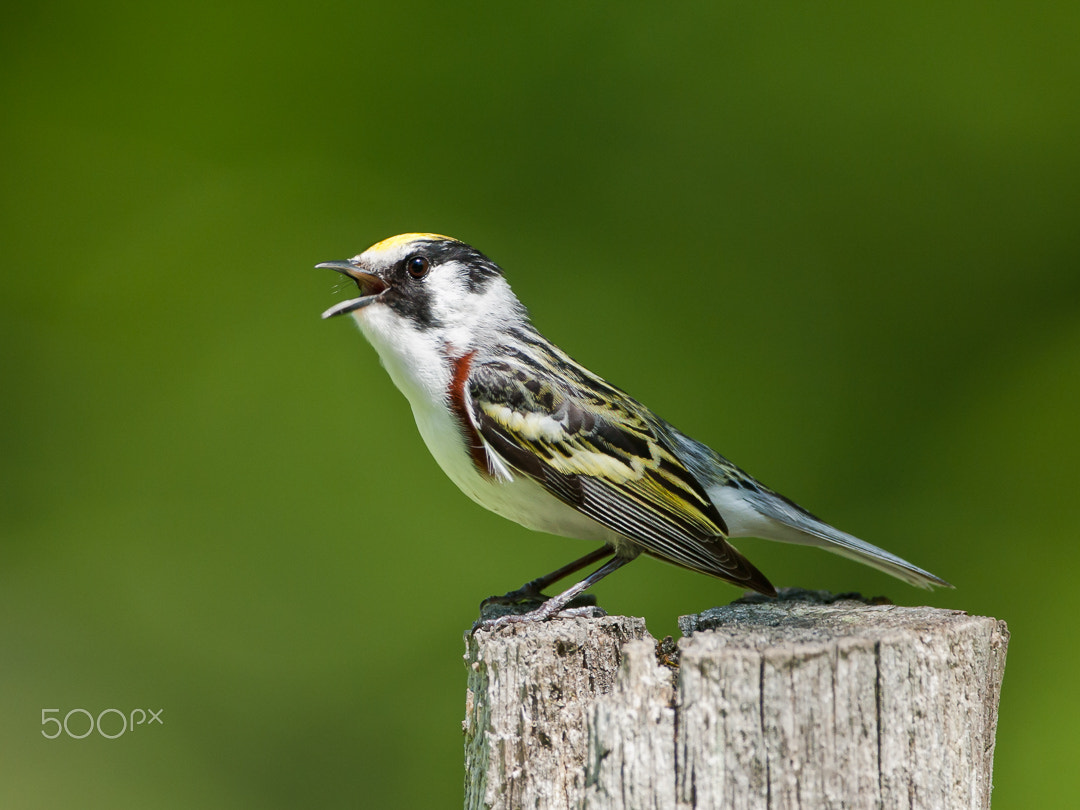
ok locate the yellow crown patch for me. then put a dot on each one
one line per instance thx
(404, 238)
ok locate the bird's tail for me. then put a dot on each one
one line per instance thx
(790, 523)
(751, 509)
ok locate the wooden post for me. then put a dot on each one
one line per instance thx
(530, 690)
(803, 702)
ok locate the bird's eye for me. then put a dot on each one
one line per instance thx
(417, 266)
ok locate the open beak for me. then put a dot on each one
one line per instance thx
(370, 285)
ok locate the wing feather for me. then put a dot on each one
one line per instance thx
(608, 458)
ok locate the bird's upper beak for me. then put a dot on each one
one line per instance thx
(371, 287)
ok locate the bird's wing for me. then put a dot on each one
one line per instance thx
(605, 456)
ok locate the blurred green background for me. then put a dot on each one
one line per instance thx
(840, 245)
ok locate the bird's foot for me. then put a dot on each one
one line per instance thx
(526, 596)
(494, 615)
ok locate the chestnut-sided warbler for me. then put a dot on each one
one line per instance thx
(534, 436)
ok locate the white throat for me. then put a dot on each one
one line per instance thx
(416, 360)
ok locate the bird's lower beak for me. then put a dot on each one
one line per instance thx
(370, 285)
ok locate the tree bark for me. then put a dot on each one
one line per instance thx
(802, 702)
(530, 689)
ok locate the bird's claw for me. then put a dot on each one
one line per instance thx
(540, 614)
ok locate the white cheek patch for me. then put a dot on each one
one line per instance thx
(447, 292)
(470, 318)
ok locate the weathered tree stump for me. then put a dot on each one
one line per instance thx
(531, 688)
(790, 703)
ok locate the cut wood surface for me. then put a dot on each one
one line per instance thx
(808, 701)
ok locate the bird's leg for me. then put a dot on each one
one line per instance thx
(533, 591)
(555, 603)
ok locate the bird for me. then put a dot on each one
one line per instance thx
(532, 435)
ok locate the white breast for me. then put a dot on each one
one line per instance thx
(519, 498)
(417, 365)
